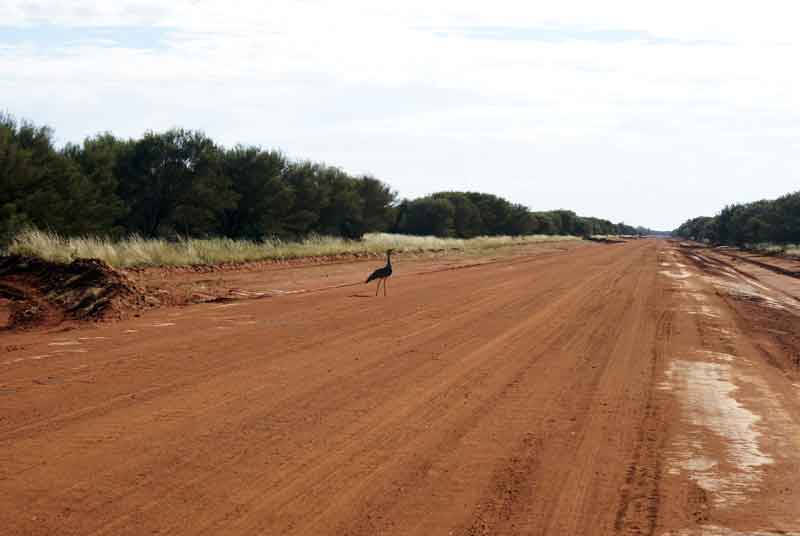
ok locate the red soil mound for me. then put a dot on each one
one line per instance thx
(47, 292)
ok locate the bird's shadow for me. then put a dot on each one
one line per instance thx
(360, 296)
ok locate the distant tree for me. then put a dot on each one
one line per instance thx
(776, 221)
(42, 187)
(467, 222)
(22, 174)
(179, 182)
(264, 200)
(543, 223)
(97, 160)
(567, 222)
(378, 204)
(173, 184)
(518, 221)
(310, 194)
(494, 211)
(343, 213)
(428, 216)
(784, 219)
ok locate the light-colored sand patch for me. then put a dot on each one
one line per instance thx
(131, 331)
(724, 331)
(283, 292)
(64, 343)
(759, 285)
(250, 293)
(699, 463)
(675, 275)
(718, 356)
(29, 358)
(704, 310)
(706, 391)
(751, 290)
(746, 291)
(76, 351)
(684, 458)
(163, 324)
(699, 297)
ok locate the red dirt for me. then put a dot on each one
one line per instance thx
(5, 312)
(592, 389)
(46, 293)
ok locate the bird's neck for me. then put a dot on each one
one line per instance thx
(389, 259)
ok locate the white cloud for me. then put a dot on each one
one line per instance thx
(710, 98)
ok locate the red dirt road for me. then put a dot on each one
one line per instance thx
(604, 389)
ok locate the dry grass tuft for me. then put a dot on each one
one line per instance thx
(138, 251)
(792, 250)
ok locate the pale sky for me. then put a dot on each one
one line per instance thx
(636, 111)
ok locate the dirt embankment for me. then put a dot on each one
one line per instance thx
(765, 300)
(39, 292)
(778, 263)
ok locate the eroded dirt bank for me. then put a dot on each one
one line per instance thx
(605, 389)
(36, 293)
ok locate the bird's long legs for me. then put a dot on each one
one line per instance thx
(378, 287)
(385, 282)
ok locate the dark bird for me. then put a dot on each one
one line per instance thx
(382, 274)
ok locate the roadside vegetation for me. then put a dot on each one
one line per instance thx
(180, 183)
(786, 250)
(771, 226)
(137, 251)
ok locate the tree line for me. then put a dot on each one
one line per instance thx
(774, 221)
(181, 183)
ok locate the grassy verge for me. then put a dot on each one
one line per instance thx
(137, 251)
(791, 250)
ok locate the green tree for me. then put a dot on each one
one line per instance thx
(42, 187)
(378, 201)
(264, 201)
(173, 184)
(467, 222)
(97, 159)
(428, 216)
(343, 213)
(310, 195)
